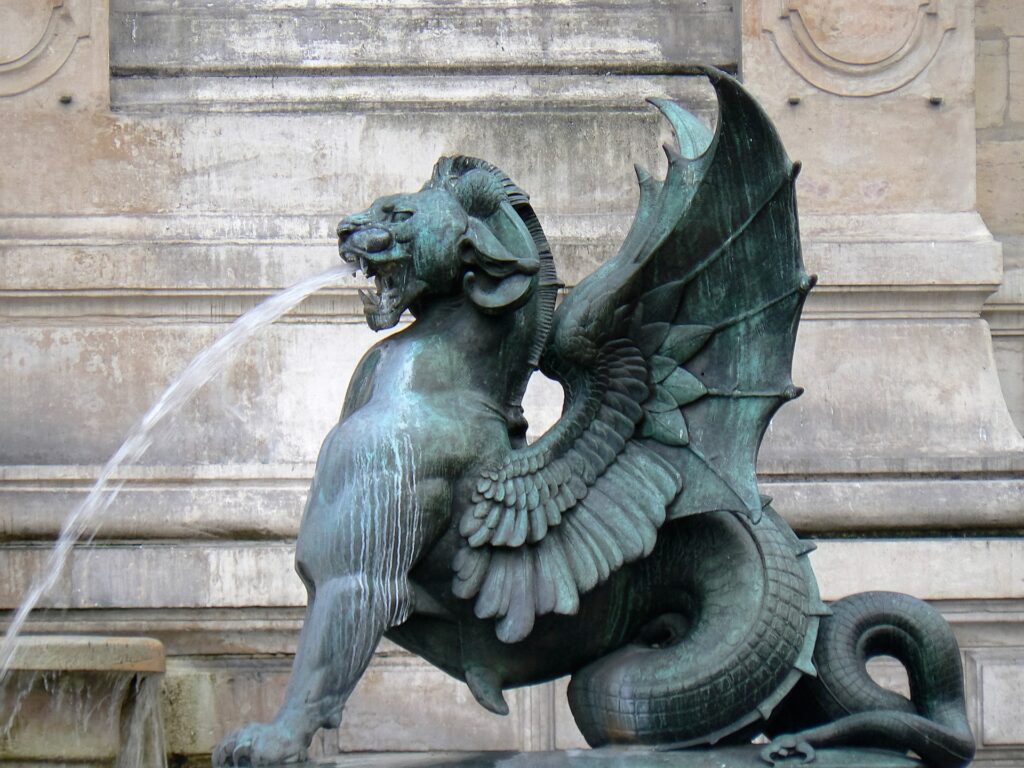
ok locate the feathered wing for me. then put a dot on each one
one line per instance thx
(674, 355)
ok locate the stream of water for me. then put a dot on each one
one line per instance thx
(87, 516)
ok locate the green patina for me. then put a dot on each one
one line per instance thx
(628, 546)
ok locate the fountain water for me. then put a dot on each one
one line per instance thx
(96, 702)
(88, 514)
(83, 699)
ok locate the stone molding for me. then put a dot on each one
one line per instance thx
(226, 652)
(68, 22)
(279, 37)
(949, 256)
(404, 93)
(846, 48)
(264, 502)
(242, 574)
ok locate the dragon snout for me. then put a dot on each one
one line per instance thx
(368, 239)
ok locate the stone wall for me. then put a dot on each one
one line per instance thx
(1000, 121)
(168, 164)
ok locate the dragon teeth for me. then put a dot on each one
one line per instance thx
(369, 300)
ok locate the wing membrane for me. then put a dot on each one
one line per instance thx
(674, 355)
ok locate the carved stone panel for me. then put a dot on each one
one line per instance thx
(858, 49)
(37, 38)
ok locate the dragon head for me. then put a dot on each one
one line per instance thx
(461, 233)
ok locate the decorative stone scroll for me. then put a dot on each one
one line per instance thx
(858, 49)
(37, 38)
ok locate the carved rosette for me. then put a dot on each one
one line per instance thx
(37, 38)
(861, 48)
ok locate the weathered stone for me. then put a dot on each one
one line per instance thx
(999, 17)
(860, 154)
(93, 699)
(1000, 179)
(1001, 685)
(933, 375)
(1016, 78)
(155, 35)
(992, 84)
(92, 653)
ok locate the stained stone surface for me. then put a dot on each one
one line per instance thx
(724, 757)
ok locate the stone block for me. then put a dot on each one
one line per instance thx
(439, 36)
(119, 370)
(1016, 78)
(55, 57)
(205, 698)
(998, 17)
(572, 160)
(82, 699)
(1009, 355)
(78, 653)
(907, 143)
(1001, 685)
(992, 84)
(1000, 181)
(890, 397)
(931, 569)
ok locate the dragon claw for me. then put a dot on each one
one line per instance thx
(786, 746)
(258, 744)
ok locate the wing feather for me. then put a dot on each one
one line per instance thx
(673, 355)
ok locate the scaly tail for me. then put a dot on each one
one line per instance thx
(855, 710)
(738, 631)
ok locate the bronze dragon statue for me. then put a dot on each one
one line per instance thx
(628, 546)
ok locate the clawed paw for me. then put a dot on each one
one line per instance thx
(786, 746)
(258, 744)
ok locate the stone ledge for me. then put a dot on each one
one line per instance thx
(262, 501)
(888, 266)
(250, 574)
(983, 626)
(87, 653)
(405, 93)
(722, 757)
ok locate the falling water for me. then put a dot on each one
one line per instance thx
(205, 366)
(99, 705)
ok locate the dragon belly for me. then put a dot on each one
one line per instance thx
(722, 611)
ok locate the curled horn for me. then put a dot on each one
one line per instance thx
(479, 193)
(476, 196)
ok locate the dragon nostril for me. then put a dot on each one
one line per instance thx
(372, 239)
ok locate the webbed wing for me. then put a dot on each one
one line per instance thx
(674, 355)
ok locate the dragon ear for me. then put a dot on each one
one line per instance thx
(501, 280)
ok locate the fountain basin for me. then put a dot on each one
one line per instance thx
(87, 699)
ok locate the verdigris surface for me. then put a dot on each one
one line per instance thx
(628, 546)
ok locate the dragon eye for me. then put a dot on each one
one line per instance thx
(401, 215)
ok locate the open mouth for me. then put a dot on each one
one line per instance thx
(383, 306)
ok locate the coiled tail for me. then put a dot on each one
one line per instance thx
(846, 707)
(736, 635)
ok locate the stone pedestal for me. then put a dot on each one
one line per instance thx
(723, 757)
(83, 699)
